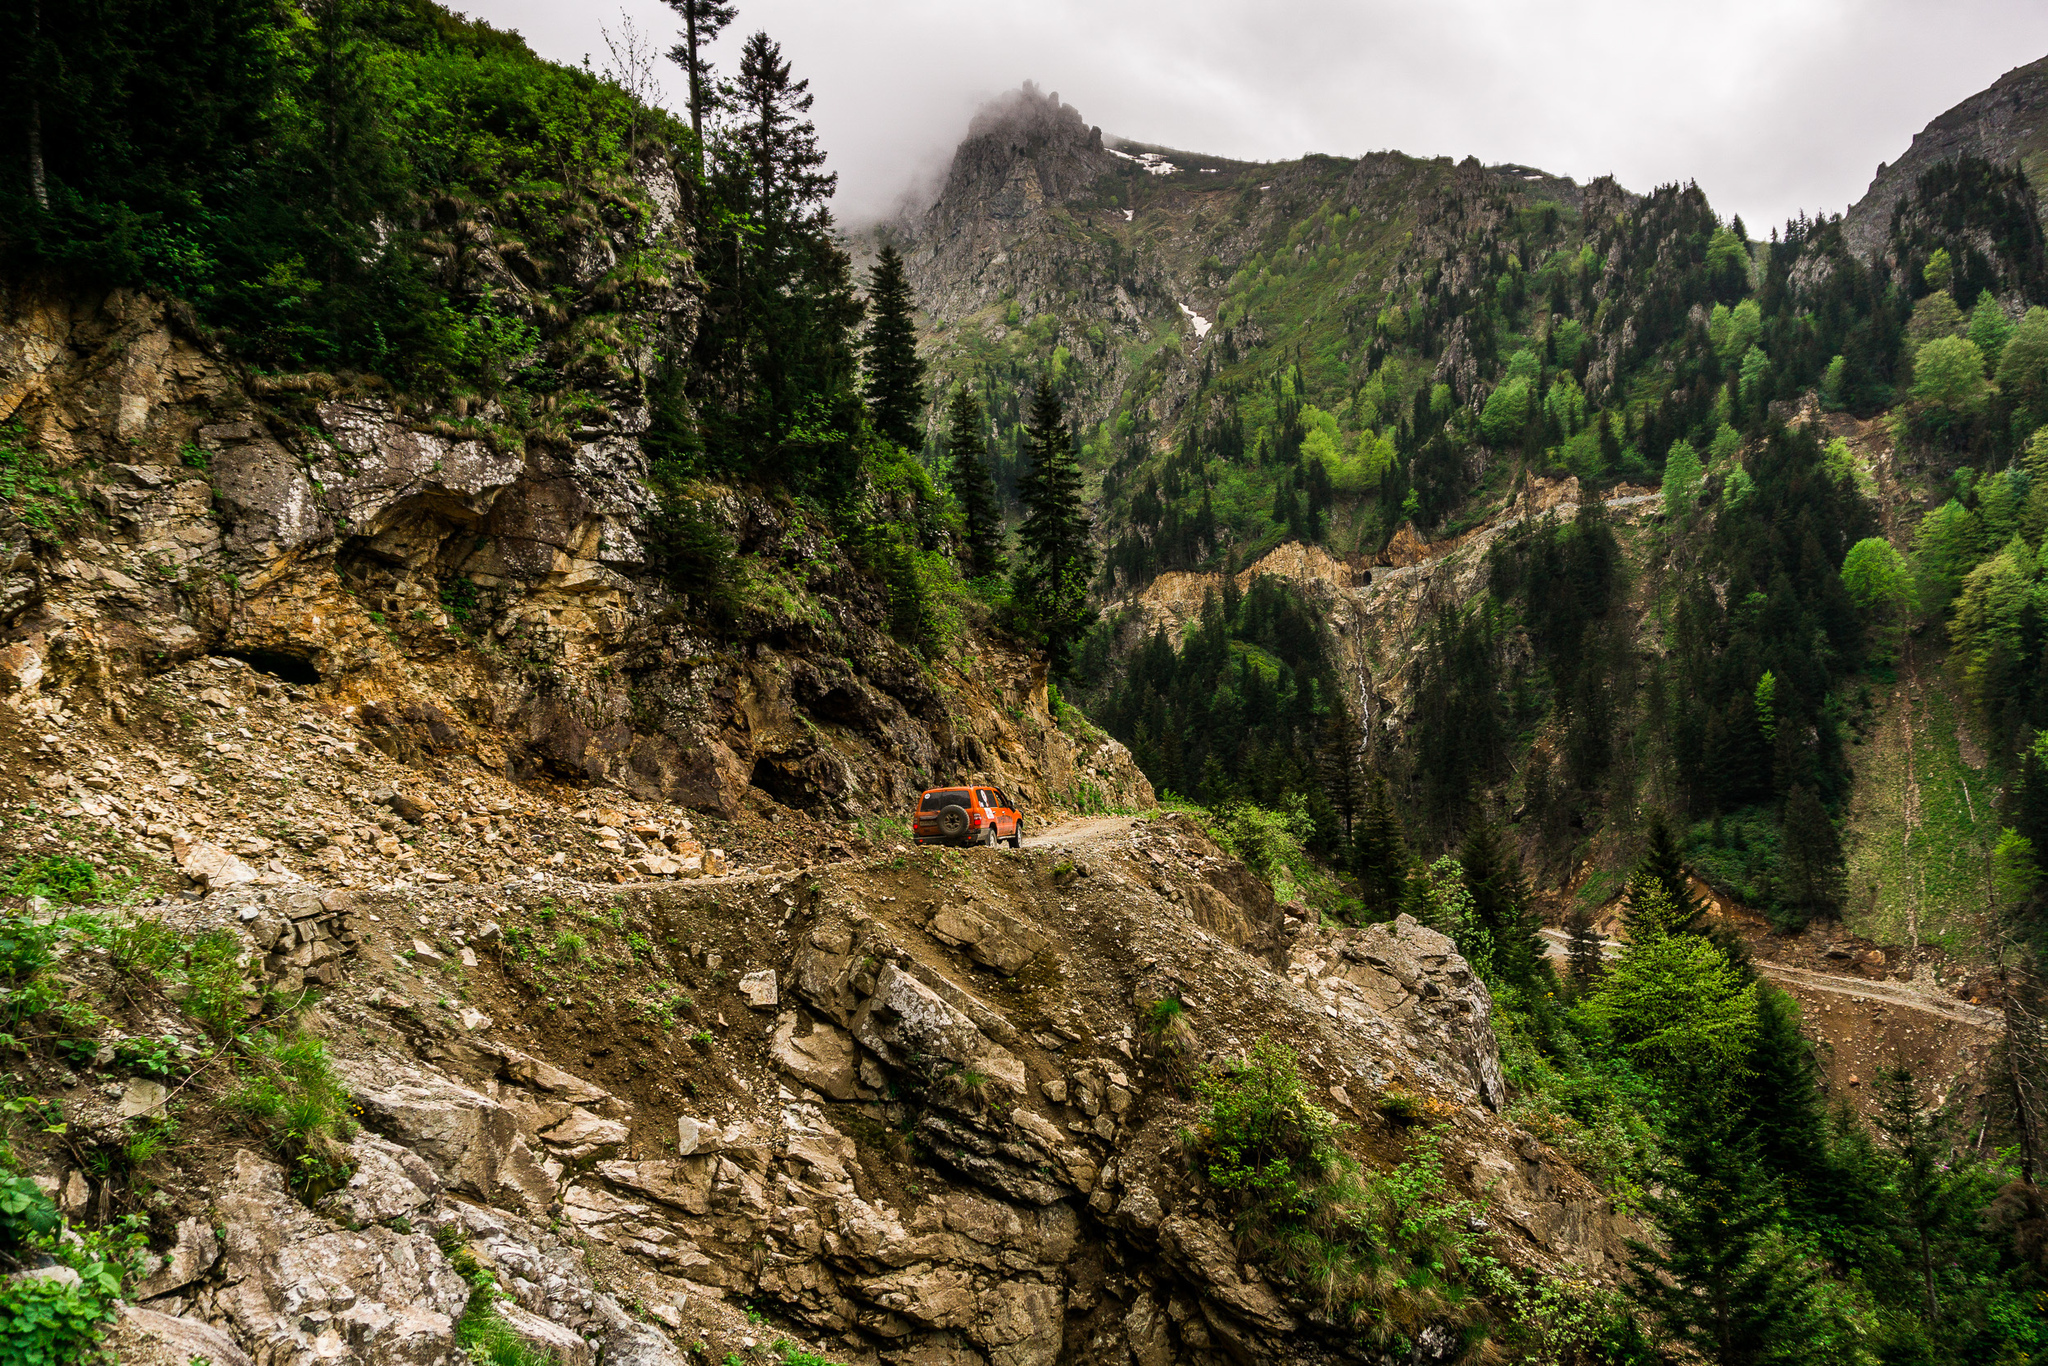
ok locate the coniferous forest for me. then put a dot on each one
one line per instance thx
(1655, 690)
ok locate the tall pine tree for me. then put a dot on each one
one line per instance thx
(1722, 1284)
(1058, 562)
(1781, 1099)
(1812, 879)
(774, 381)
(1660, 889)
(1340, 763)
(703, 21)
(1379, 854)
(967, 475)
(1585, 950)
(1500, 902)
(895, 378)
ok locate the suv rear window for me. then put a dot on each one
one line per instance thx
(937, 801)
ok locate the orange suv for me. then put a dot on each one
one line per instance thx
(967, 815)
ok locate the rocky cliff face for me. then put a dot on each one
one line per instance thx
(2004, 124)
(486, 595)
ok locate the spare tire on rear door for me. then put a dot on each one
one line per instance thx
(953, 821)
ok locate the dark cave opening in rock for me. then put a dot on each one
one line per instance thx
(784, 786)
(278, 664)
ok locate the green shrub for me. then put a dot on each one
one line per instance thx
(481, 1332)
(42, 502)
(46, 1322)
(216, 988)
(54, 877)
(1273, 843)
(25, 1212)
(1263, 1140)
(1384, 1254)
(142, 944)
(24, 947)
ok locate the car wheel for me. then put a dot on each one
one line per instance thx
(988, 836)
(952, 822)
(1017, 835)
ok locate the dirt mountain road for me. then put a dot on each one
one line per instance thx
(1857, 988)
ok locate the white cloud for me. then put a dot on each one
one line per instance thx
(1772, 105)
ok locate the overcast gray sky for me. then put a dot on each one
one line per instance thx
(1772, 105)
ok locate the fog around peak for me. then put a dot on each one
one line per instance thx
(1773, 106)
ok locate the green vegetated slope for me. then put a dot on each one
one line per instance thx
(1399, 343)
(1922, 824)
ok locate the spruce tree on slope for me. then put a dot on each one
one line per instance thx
(1500, 901)
(967, 475)
(703, 21)
(1379, 854)
(1811, 877)
(774, 377)
(1781, 1097)
(1722, 1285)
(1585, 951)
(1660, 869)
(1057, 562)
(1340, 764)
(895, 379)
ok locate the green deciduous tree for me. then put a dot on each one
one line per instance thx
(1756, 368)
(895, 374)
(1681, 480)
(1057, 562)
(1990, 329)
(1506, 414)
(1732, 331)
(1939, 271)
(1948, 381)
(1946, 546)
(2023, 366)
(968, 476)
(1875, 576)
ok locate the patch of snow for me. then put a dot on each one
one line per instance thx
(1265, 187)
(1127, 215)
(1532, 177)
(1208, 170)
(1153, 162)
(1202, 324)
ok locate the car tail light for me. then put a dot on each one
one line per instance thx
(976, 818)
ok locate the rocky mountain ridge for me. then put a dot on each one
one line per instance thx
(2005, 123)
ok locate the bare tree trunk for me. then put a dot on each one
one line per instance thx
(35, 113)
(696, 94)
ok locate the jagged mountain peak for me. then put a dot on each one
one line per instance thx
(1022, 148)
(2004, 123)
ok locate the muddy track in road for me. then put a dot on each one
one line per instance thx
(1857, 988)
(1077, 831)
